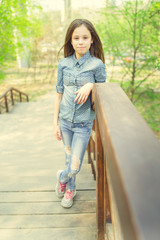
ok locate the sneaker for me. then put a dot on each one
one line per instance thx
(60, 187)
(67, 200)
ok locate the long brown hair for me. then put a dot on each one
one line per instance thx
(96, 47)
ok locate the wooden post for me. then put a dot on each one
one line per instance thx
(89, 151)
(6, 103)
(107, 198)
(20, 96)
(100, 185)
(12, 99)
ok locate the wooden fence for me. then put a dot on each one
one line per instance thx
(9, 97)
(125, 158)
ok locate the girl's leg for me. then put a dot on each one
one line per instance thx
(80, 139)
(67, 136)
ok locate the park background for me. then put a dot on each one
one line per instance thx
(33, 31)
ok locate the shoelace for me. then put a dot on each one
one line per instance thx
(62, 186)
(69, 195)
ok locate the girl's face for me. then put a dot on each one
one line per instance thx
(81, 40)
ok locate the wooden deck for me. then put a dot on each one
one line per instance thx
(29, 159)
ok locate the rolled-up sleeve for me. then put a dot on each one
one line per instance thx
(100, 74)
(59, 85)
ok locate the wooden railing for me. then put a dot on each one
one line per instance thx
(9, 97)
(127, 168)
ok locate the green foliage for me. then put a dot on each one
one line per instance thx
(149, 107)
(130, 34)
(2, 77)
(19, 25)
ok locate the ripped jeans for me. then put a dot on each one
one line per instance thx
(75, 137)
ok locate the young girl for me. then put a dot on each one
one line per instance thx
(81, 67)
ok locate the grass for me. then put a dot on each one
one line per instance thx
(25, 80)
(36, 90)
(2, 77)
(149, 108)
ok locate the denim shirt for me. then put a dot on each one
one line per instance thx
(72, 75)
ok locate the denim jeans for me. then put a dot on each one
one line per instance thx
(75, 137)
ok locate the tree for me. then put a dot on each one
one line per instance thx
(130, 34)
(18, 25)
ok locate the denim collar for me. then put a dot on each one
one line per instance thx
(82, 59)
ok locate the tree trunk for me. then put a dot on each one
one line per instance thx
(132, 90)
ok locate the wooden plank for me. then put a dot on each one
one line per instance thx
(47, 181)
(48, 221)
(39, 184)
(100, 185)
(107, 199)
(116, 223)
(49, 234)
(109, 232)
(43, 196)
(20, 170)
(46, 208)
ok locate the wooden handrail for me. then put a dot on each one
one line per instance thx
(127, 168)
(6, 99)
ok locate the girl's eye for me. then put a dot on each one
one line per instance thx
(85, 37)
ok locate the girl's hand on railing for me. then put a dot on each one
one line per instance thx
(83, 93)
(57, 132)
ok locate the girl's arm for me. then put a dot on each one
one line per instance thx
(83, 93)
(100, 77)
(56, 128)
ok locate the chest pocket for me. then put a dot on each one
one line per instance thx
(68, 78)
(85, 77)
